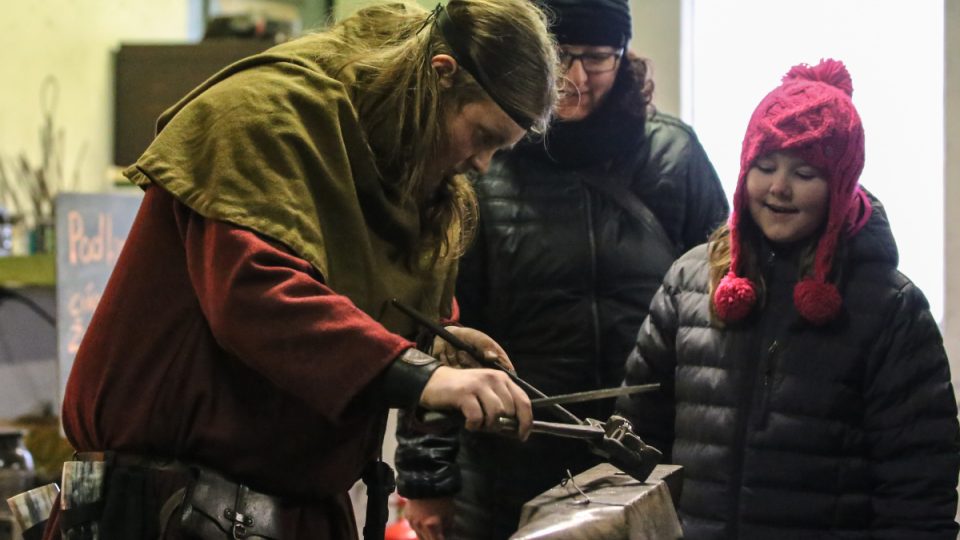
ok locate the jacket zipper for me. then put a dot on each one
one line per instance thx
(761, 414)
(594, 309)
(762, 375)
(768, 366)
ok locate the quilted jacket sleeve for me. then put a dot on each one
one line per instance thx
(911, 426)
(653, 361)
(426, 463)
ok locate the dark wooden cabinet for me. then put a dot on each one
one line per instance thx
(151, 78)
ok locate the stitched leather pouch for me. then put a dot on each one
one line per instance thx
(215, 508)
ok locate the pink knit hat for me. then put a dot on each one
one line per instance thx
(810, 113)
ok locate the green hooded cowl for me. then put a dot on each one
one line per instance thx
(273, 144)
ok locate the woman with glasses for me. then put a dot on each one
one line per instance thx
(577, 229)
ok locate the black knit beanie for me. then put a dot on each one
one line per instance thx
(590, 22)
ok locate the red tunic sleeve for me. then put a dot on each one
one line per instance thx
(271, 310)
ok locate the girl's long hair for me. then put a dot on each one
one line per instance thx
(751, 265)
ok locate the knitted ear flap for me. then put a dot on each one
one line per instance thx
(816, 299)
(734, 297)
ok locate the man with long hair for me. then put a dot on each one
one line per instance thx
(238, 370)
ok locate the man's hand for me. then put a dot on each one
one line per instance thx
(430, 518)
(450, 356)
(481, 395)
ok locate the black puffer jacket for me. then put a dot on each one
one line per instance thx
(561, 275)
(786, 430)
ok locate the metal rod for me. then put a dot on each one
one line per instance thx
(472, 351)
(594, 395)
(508, 424)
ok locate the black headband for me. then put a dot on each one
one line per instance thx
(459, 46)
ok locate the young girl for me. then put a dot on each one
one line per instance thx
(806, 391)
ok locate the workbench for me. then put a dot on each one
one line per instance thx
(608, 505)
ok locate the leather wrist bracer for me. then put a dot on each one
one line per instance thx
(403, 380)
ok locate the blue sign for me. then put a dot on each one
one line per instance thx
(91, 231)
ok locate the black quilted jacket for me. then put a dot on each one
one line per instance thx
(786, 430)
(561, 276)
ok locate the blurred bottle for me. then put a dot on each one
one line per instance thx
(16, 475)
(42, 237)
(400, 529)
(6, 233)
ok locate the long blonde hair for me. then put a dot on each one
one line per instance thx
(718, 255)
(401, 104)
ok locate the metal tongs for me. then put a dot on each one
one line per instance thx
(613, 440)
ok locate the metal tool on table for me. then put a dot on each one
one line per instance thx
(613, 440)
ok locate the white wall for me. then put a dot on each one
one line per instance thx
(70, 41)
(951, 320)
(738, 58)
(657, 37)
(73, 41)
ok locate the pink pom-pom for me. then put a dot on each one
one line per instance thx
(817, 302)
(734, 297)
(829, 71)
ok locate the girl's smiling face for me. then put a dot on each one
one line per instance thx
(788, 198)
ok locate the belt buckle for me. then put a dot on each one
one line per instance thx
(240, 522)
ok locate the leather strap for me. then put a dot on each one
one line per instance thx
(404, 379)
(169, 507)
(632, 205)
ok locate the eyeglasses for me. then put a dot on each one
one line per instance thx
(592, 62)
